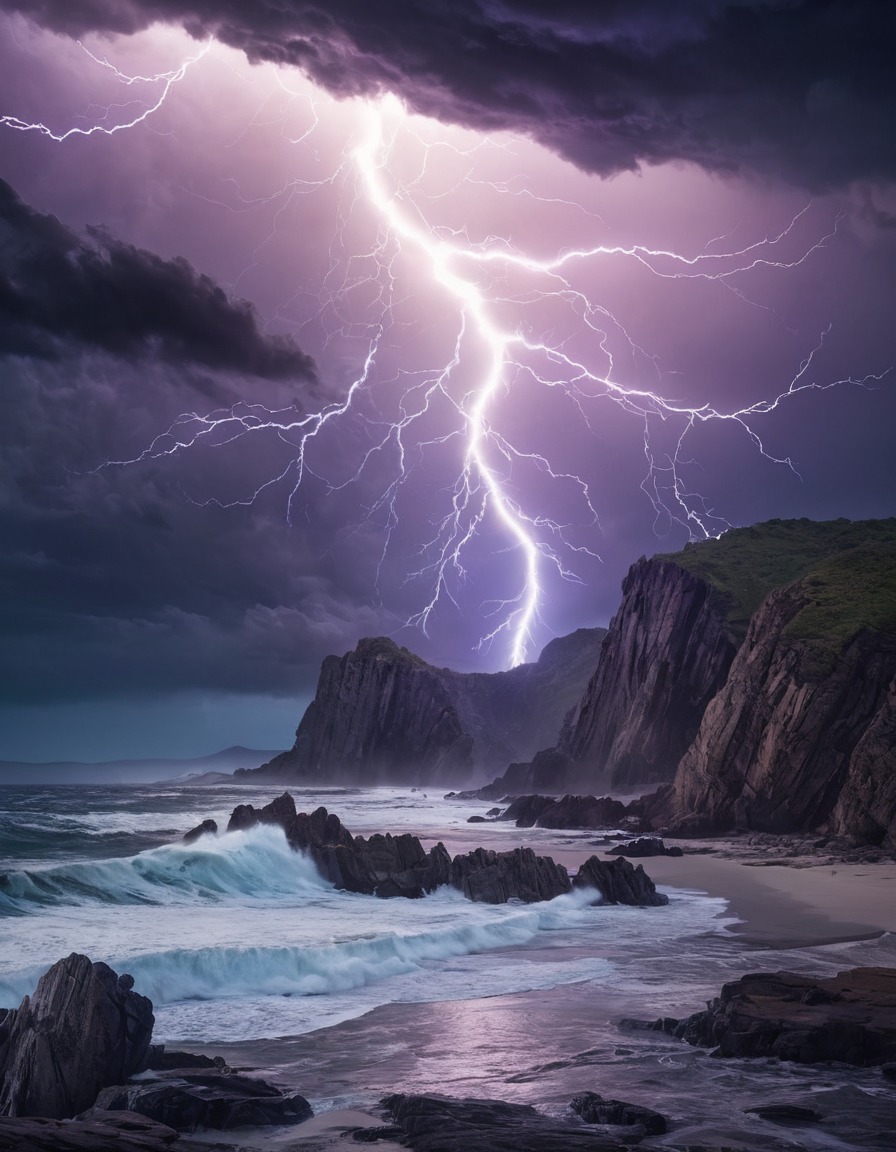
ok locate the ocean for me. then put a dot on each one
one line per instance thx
(245, 950)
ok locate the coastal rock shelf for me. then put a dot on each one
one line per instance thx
(850, 1017)
(387, 866)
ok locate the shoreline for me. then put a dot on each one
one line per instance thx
(778, 905)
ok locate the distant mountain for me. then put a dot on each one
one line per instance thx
(381, 714)
(129, 771)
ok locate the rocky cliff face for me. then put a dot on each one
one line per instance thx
(665, 656)
(381, 714)
(801, 735)
(866, 808)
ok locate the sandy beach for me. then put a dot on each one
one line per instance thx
(783, 905)
(541, 1046)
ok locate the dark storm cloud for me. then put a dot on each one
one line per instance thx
(800, 90)
(114, 582)
(58, 288)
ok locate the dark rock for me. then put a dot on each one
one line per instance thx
(442, 1124)
(549, 770)
(619, 882)
(379, 1132)
(866, 806)
(83, 1028)
(242, 818)
(109, 1132)
(645, 846)
(206, 828)
(779, 1014)
(161, 1060)
(387, 866)
(490, 877)
(525, 810)
(186, 1100)
(889, 1071)
(381, 714)
(786, 1113)
(476, 820)
(594, 1109)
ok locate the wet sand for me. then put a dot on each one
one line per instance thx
(543, 1045)
(784, 906)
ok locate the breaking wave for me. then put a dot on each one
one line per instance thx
(258, 864)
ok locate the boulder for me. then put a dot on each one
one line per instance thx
(206, 828)
(442, 1124)
(619, 882)
(850, 1017)
(595, 1109)
(645, 846)
(189, 1099)
(83, 1029)
(490, 877)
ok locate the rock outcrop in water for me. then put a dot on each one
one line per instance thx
(619, 882)
(850, 1017)
(83, 1029)
(381, 714)
(387, 866)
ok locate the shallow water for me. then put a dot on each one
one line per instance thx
(239, 942)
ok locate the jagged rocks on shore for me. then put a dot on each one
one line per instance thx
(387, 866)
(619, 882)
(83, 1029)
(850, 1017)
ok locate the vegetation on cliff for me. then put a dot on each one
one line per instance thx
(745, 564)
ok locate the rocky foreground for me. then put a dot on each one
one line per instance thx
(70, 1056)
(850, 1017)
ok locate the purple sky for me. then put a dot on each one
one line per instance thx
(228, 255)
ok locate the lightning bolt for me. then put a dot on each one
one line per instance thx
(166, 81)
(495, 346)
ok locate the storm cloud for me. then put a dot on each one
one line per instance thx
(58, 288)
(797, 90)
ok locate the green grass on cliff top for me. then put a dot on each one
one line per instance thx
(852, 565)
(851, 590)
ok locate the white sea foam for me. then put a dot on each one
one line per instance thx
(258, 863)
